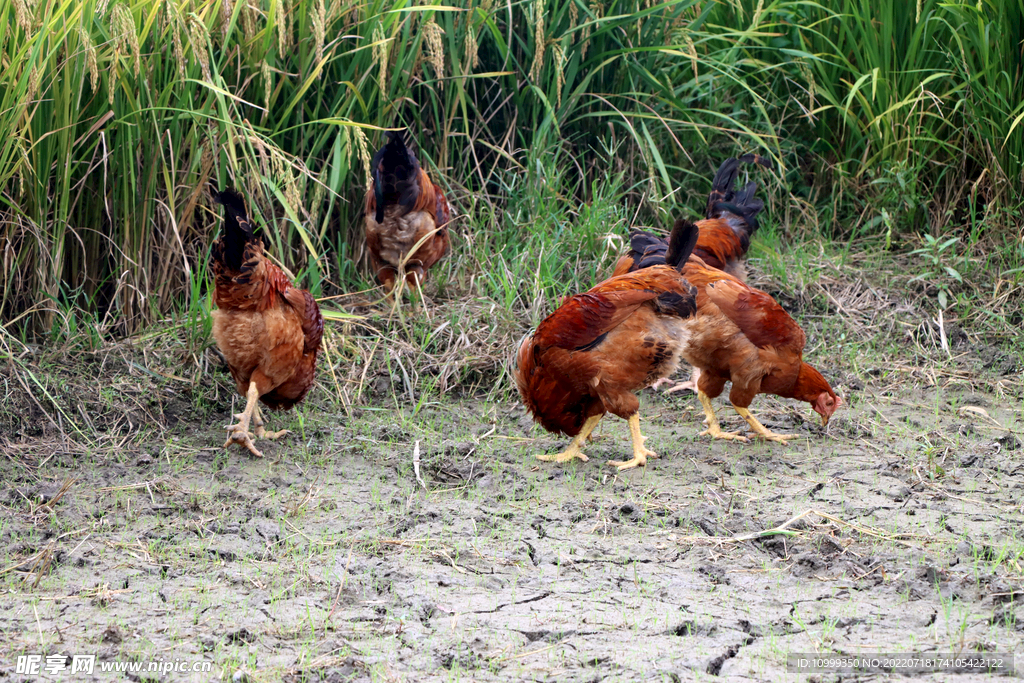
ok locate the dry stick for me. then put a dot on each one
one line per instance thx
(405, 376)
(782, 530)
(341, 586)
(416, 464)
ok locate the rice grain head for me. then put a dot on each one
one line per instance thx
(538, 40)
(364, 154)
(380, 57)
(248, 15)
(757, 14)
(472, 49)
(199, 40)
(318, 19)
(174, 21)
(22, 16)
(125, 37)
(284, 34)
(90, 57)
(33, 84)
(558, 53)
(226, 10)
(435, 50)
(316, 203)
(268, 84)
(691, 50)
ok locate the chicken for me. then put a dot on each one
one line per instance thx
(404, 208)
(268, 330)
(730, 218)
(742, 335)
(725, 232)
(589, 356)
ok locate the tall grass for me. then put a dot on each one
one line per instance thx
(116, 117)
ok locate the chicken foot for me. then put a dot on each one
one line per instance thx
(239, 433)
(714, 430)
(762, 431)
(260, 431)
(575, 449)
(688, 385)
(640, 454)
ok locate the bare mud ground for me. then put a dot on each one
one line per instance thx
(328, 560)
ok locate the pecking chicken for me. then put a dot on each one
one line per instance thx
(589, 356)
(402, 208)
(268, 330)
(725, 232)
(742, 335)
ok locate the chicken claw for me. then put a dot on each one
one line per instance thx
(688, 385)
(640, 453)
(261, 432)
(714, 430)
(570, 453)
(575, 449)
(761, 431)
(239, 433)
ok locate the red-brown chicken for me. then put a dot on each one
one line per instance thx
(725, 232)
(589, 356)
(740, 334)
(730, 218)
(268, 330)
(403, 207)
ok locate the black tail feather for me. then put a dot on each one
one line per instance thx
(395, 171)
(681, 242)
(723, 199)
(237, 227)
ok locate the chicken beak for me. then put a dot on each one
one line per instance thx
(824, 420)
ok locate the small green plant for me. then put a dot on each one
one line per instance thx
(938, 255)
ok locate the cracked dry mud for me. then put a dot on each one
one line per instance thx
(328, 561)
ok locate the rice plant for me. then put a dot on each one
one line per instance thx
(118, 117)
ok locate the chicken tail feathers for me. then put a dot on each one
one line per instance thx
(238, 229)
(395, 171)
(681, 242)
(724, 201)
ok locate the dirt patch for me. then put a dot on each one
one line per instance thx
(329, 561)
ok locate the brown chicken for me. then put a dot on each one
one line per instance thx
(268, 330)
(589, 356)
(725, 232)
(404, 208)
(730, 218)
(741, 335)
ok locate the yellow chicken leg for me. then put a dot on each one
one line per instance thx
(714, 430)
(640, 454)
(239, 433)
(260, 432)
(575, 449)
(761, 430)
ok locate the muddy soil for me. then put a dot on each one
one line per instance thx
(329, 560)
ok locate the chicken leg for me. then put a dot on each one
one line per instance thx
(762, 431)
(239, 433)
(640, 454)
(575, 449)
(714, 430)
